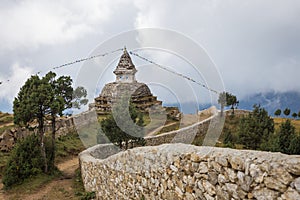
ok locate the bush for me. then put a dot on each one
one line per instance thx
(25, 161)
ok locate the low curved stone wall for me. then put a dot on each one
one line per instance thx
(181, 171)
(187, 134)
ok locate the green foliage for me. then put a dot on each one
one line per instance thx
(229, 134)
(131, 126)
(287, 112)
(46, 96)
(78, 99)
(294, 147)
(294, 115)
(4, 157)
(227, 99)
(299, 114)
(286, 140)
(277, 112)
(67, 145)
(255, 129)
(34, 103)
(25, 161)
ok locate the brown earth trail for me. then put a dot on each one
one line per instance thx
(56, 189)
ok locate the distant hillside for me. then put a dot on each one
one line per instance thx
(271, 101)
(6, 119)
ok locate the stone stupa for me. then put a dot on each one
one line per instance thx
(125, 82)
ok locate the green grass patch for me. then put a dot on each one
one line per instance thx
(68, 145)
(33, 184)
(6, 118)
(169, 128)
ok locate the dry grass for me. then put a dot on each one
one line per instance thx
(295, 123)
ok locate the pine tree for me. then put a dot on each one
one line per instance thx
(33, 103)
(255, 129)
(294, 147)
(287, 112)
(44, 97)
(285, 135)
(277, 113)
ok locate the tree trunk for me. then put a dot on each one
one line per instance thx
(43, 148)
(222, 109)
(52, 155)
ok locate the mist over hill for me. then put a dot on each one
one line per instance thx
(271, 101)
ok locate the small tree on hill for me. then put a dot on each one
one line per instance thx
(299, 114)
(222, 101)
(287, 112)
(227, 99)
(277, 113)
(294, 115)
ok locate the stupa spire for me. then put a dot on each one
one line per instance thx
(125, 70)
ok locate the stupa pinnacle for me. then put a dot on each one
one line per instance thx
(125, 71)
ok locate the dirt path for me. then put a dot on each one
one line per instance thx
(7, 124)
(56, 189)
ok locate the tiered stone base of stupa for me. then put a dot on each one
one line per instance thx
(140, 95)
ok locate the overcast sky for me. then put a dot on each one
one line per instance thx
(255, 44)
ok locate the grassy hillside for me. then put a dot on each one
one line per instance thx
(5, 118)
(295, 123)
(232, 126)
(6, 121)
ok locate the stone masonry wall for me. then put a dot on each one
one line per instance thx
(182, 171)
(64, 126)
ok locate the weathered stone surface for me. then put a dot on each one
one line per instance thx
(291, 194)
(237, 163)
(274, 184)
(265, 194)
(209, 188)
(293, 165)
(221, 161)
(296, 184)
(169, 173)
(203, 168)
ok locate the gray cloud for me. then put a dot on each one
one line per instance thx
(255, 44)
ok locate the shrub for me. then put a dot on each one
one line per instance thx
(25, 161)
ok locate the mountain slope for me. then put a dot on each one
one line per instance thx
(272, 101)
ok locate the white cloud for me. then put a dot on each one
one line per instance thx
(248, 40)
(30, 23)
(17, 78)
